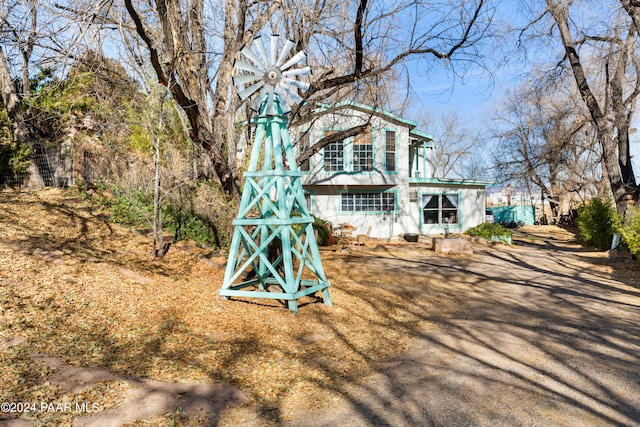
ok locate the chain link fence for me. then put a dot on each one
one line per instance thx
(54, 166)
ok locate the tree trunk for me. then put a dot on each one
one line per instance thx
(611, 152)
(12, 104)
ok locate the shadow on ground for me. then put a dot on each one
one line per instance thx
(528, 335)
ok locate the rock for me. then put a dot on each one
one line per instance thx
(452, 246)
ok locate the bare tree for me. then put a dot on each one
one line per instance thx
(545, 138)
(600, 51)
(32, 37)
(453, 144)
(354, 45)
(191, 45)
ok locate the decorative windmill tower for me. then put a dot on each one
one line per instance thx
(274, 253)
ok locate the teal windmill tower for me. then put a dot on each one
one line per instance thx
(274, 253)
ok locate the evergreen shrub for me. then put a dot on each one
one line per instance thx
(597, 223)
(488, 231)
(630, 230)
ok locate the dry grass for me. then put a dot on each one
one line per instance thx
(74, 286)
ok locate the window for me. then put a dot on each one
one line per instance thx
(307, 201)
(368, 202)
(390, 151)
(333, 155)
(440, 209)
(303, 144)
(363, 152)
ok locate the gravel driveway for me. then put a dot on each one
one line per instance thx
(544, 333)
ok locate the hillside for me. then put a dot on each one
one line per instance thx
(84, 292)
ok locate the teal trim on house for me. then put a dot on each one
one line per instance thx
(395, 152)
(448, 181)
(345, 162)
(324, 108)
(456, 226)
(381, 212)
(418, 134)
(350, 164)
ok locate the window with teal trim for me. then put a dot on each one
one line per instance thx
(307, 201)
(440, 209)
(333, 154)
(368, 202)
(363, 152)
(303, 145)
(390, 151)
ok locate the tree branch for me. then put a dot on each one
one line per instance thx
(338, 136)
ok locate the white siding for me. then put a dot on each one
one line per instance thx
(326, 188)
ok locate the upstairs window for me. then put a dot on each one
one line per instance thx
(333, 155)
(390, 151)
(363, 152)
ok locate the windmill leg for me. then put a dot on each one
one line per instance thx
(326, 298)
(293, 306)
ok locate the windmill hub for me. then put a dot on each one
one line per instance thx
(272, 76)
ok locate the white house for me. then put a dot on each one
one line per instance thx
(380, 182)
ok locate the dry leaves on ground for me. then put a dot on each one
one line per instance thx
(77, 287)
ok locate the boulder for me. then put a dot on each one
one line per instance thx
(457, 246)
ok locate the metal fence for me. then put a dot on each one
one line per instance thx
(53, 166)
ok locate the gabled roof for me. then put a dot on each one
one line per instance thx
(411, 124)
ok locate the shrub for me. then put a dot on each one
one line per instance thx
(630, 230)
(132, 210)
(490, 231)
(187, 225)
(597, 223)
(321, 228)
(14, 157)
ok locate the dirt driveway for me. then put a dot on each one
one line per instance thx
(544, 333)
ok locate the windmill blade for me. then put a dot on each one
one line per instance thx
(245, 93)
(288, 45)
(292, 94)
(241, 65)
(255, 105)
(295, 59)
(300, 85)
(260, 46)
(304, 71)
(274, 48)
(284, 105)
(241, 80)
(246, 51)
(271, 103)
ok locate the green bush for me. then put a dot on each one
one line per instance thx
(187, 225)
(630, 230)
(597, 223)
(132, 209)
(320, 227)
(488, 231)
(14, 159)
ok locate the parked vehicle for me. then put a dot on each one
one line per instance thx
(489, 217)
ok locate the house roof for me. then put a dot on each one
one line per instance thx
(411, 124)
(420, 135)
